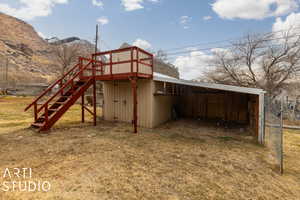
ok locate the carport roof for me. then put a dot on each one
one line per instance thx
(169, 79)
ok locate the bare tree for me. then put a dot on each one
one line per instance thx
(66, 55)
(260, 61)
(162, 55)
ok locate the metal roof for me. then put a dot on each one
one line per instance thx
(164, 78)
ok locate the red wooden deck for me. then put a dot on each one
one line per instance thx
(129, 63)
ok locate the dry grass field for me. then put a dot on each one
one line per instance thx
(179, 160)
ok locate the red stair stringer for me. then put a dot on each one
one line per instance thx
(69, 102)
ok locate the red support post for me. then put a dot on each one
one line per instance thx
(82, 108)
(134, 93)
(35, 112)
(94, 102)
(94, 93)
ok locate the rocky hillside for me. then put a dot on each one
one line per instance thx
(28, 54)
(30, 57)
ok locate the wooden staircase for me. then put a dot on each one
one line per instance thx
(71, 86)
(130, 63)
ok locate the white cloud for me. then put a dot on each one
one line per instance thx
(103, 20)
(30, 9)
(207, 18)
(291, 21)
(131, 5)
(253, 9)
(184, 21)
(193, 65)
(142, 44)
(97, 3)
(291, 24)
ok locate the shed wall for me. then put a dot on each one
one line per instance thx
(118, 102)
(227, 106)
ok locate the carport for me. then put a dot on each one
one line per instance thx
(224, 104)
(164, 98)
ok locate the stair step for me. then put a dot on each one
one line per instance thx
(54, 109)
(80, 82)
(60, 103)
(43, 117)
(37, 125)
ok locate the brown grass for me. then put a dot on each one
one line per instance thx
(182, 160)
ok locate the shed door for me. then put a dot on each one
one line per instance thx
(122, 101)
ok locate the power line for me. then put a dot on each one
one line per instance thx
(226, 46)
(226, 40)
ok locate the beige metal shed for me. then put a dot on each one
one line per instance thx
(162, 97)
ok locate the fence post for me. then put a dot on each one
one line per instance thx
(281, 139)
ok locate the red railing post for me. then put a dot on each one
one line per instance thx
(35, 112)
(46, 113)
(110, 64)
(80, 67)
(137, 62)
(131, 61)
(152, 64)
(60, 86)
(72, 86)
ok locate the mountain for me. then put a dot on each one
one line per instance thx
(29, 56)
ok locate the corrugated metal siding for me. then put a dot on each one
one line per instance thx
(162, 107)
(118, 102)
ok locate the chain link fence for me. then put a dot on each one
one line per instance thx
(291, 110)
(274, 130)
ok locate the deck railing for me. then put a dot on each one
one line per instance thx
(131, 61)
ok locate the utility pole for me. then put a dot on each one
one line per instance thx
(96, 40)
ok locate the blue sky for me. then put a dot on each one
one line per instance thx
(156, 24)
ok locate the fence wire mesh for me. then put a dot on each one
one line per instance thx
(274, 130)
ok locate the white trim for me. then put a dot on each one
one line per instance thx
(210, 85)
(261, 130)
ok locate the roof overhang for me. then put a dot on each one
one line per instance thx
(164, 78)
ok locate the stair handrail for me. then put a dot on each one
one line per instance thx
(65, 85)
(52, 86)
